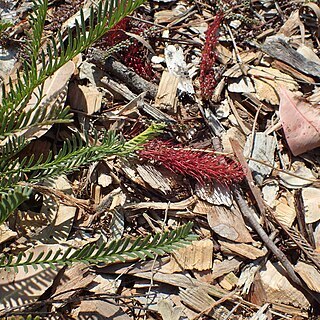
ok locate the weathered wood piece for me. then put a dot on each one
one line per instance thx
(167, 93)
(115, 68)
(279, 49)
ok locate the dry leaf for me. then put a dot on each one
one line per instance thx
(54, 94)
(227, 223)
(58, 217)
(87, 99)
(99, 309)
(300, 121)
(268, 80)
(169, 312)
(6, 233)
(19, 288)
(301, 178)
(73, 280)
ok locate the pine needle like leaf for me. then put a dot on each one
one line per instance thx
(119, 250)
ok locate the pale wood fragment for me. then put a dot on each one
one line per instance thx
(309, 274)
(166, 97)
(197, 256)
(242, 249)
(279, 289)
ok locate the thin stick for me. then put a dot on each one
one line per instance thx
(249, 214)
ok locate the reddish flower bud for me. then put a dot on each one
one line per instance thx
(133, 55)
(199, 165)
(207, 77)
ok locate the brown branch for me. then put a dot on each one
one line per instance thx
(249, 215)
(134, 82)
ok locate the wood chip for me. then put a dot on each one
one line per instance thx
(197, 256)
(242, 250)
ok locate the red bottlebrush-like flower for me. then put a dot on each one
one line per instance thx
(133, 54)
(207, 77)
(200, 165)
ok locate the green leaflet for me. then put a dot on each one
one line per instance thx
(15, 118)
(118, 250)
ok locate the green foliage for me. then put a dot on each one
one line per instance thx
(57, 52)
(18, 117)
(11, 200)
(4, 26)
(118, 250)
(137, 142)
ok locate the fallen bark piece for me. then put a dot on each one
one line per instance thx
(278, 288)
(198, 299)
(242, 249)
(215, 193)
(279, 49)
(309, 274)
(167, 93)
(262, 148)
(220, 268)
(285, 214)
(197, 256)
(115, 68)
(178, 68)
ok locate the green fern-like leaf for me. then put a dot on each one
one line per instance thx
(73, 154)
(137, 142)
(118, 250)
(36, 20)
(4, 26)
(11, 200)
(15, 118)
(35, 117)
(57, 53)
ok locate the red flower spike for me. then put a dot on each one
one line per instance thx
(135, 54)
(200, 165)
(207, 78)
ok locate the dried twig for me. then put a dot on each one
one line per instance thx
(250, 217)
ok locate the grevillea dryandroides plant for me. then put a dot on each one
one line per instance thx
(17, 118)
